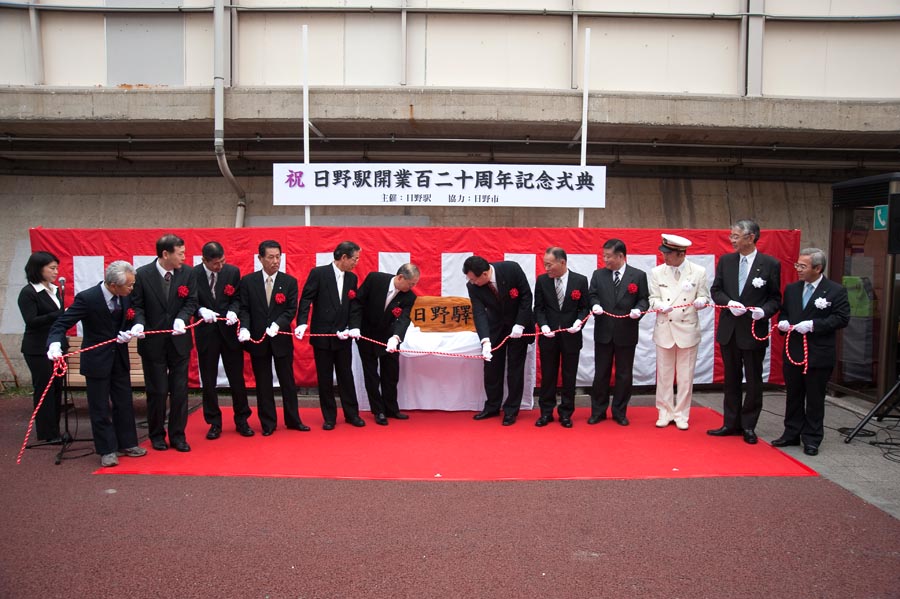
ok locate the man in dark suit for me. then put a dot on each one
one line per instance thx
(501, 307)
(331, 292)
(268, 304)
(165, 297)
(620, 290)
(386, 301)
(816, 308)
(560, 302)
(105, 313)
(217, 293)
(745, 281)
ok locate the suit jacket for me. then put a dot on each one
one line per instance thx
(330, 313)
(767, 296)
(98, 325)
(575, 307)
(156, 312)
(380, 322)
(494, 318)
(226, 300)
(834, 315)
(256, 315)
(681, 326)
(39, 313)
(618, 300)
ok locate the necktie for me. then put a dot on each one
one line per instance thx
(116, 306)
(742, 274)
(560, 293)
(494, 290)
(390, 295)
(167, 281)
(212, 284)
(616, 279)
(807, 293)
(340, 286)
(268, 290)
(676, 273)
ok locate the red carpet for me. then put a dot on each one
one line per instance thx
(452, 446)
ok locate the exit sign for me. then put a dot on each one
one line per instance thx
(881, 218)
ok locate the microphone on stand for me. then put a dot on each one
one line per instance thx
(62, 287)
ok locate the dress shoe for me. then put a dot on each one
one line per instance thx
(810, 450)
(214, 432)
(356, 421)
(682, 425)
(485, 414)
(596, 419)
(108, 460)
(398, 416)
(663, 423)
(381, 419)
(544, 421)
(723, 432)
(328, 426)
(244, 430)
(267, 432)
(621, 420)
(783, 441)
(300, 427)
(133, 452)
(159, 445)
(181, 446)
(565, 422)
(509, 420)
(750, 436)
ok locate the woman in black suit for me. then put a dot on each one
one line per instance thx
(41, 303)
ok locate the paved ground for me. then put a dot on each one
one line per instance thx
(66, 533)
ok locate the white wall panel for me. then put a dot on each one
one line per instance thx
(74, 48)
(372, 49)
(832, 8)
(199, 47)
(15, 41)
(663, 6)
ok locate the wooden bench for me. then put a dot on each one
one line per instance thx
(76, 380)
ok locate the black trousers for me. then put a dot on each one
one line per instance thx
(111, 409)
(338, 362)
(166, 379)
(265, 390)
(605, 355)
(509, 360)
(552, 355)
(740, 363)
(46, 422)
(804, 413)
(233, 361)
(381, 374)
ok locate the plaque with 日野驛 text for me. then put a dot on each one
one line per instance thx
(436, 314)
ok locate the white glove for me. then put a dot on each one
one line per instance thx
(517, 331)
(757, 313)
(273, 329)
(804, 327)
(597, 309)
(138, 331)
(737, 308)
(634, 314)
(123, 337)
(784, 326)
(700, 303)
(545, 330)
(355, 334)
(486, 351)
(343, 335)
(392, 344)
(666, 309)
(208, 315)
(54, 352)
(178, 327)
(230, 318)
(576, 326)
(243, 335)
(300, 331)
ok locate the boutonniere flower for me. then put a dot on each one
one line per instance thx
(279, 298)
(351, 294)
(576, 295)
(183, 291)
(632, 288)
(129, 314)
(229, 290)
(397, 312)
(821, 303)
(758, 282)
(513, 293)
(687, 285)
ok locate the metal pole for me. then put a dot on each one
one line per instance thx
(306, 213)
(584, 109)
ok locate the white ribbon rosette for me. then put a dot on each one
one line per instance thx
(821, 303)
(758, 282)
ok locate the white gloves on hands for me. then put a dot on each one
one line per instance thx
(392, 344)
(54, 352)
(576, 326)
(666, 309)
(486, 350)
(300, 331)
(138, 331)
(804, 327)
(545, 330)
(231, 318)
(784, 326)
(243, 335)
(178, 327)
(700, 303)
(517, 331)
(757, 313)
(737, 308)
(208, 315)
(597, 309)
(355, 334)
(343, 335)
(272, 329)
(634, 314)
(123, 337)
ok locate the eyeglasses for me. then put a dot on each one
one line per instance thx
(800, 267)
(734, 237)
